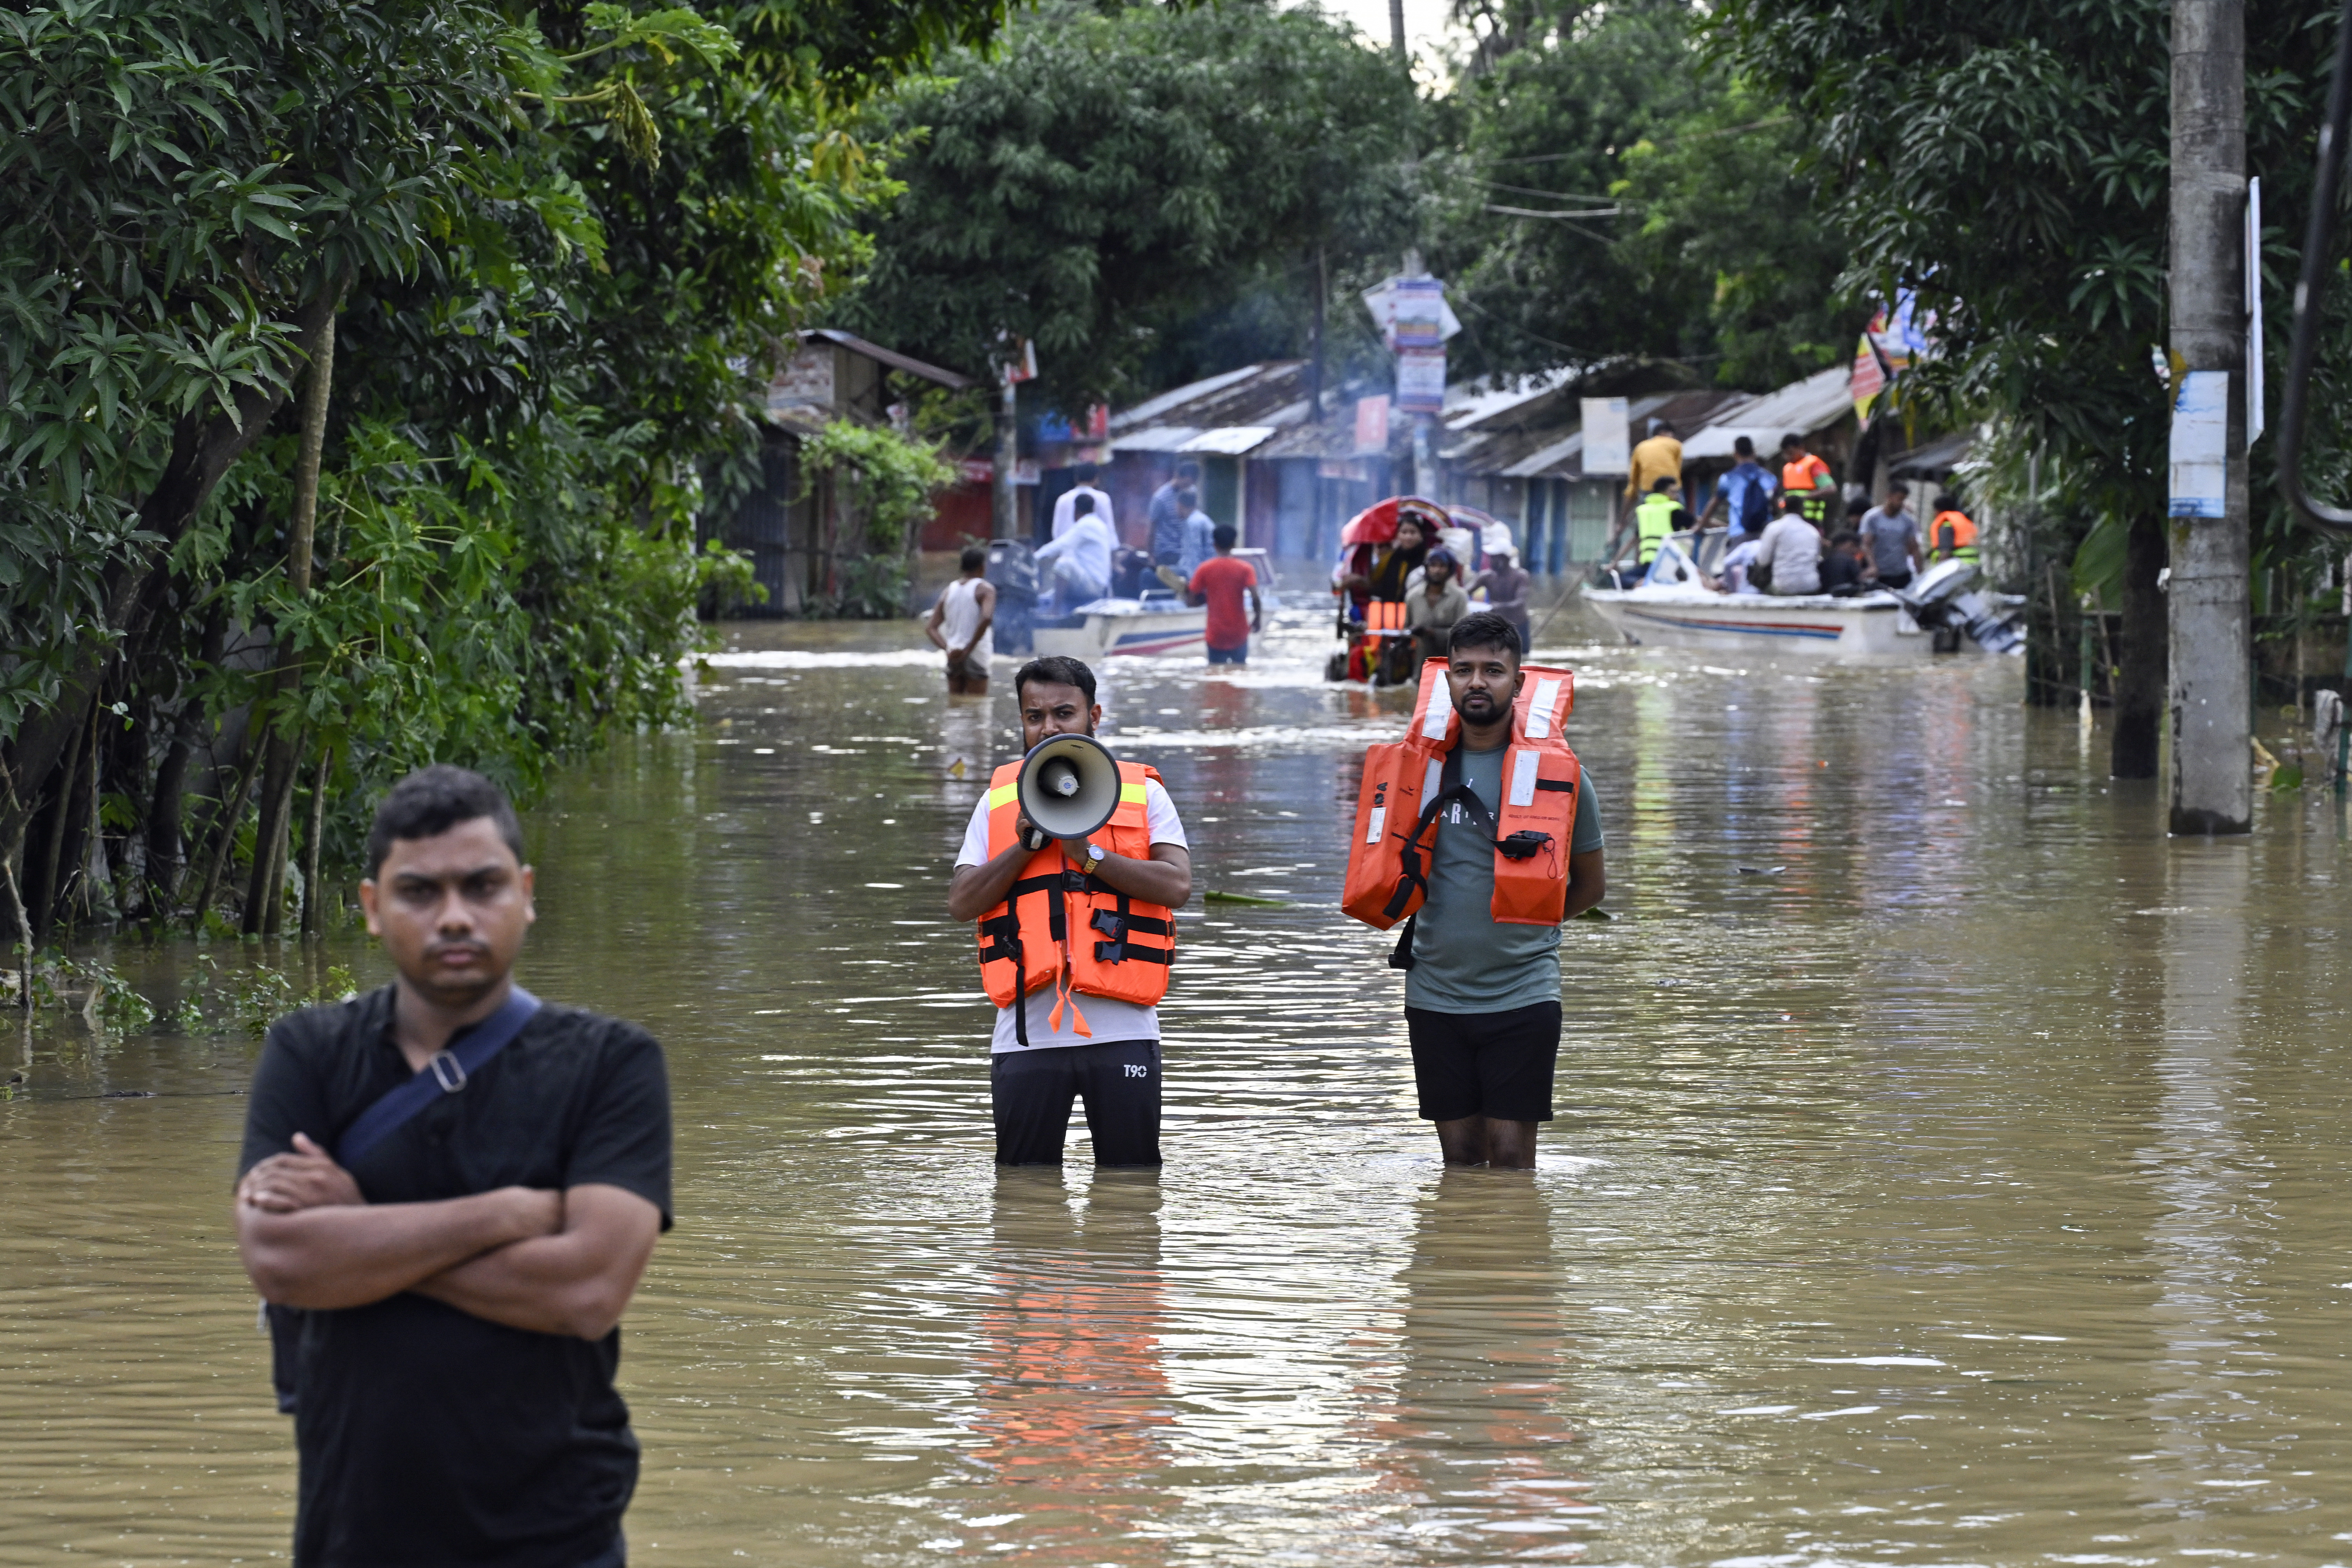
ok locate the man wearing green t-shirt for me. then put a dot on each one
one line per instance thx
(1482, 999)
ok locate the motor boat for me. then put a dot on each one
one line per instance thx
(1941, 612)
(1155, 622)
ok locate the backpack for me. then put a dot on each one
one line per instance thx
(1751, 511)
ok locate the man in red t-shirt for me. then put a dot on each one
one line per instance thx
(1219, 582)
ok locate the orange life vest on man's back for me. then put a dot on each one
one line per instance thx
(1061, 926)
(1404, 787)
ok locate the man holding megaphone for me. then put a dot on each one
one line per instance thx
(1074, 866)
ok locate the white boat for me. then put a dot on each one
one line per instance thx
(1155, 624)
(1158, 623)
(1671, 609)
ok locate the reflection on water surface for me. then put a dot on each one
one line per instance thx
(1965, 1192)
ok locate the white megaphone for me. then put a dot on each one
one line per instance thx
(1069, 786)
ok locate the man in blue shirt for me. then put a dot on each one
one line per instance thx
(1744, 494)
(1482, 999)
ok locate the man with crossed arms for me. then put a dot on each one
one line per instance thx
(460, 1278)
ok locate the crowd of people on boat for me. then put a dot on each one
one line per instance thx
(1782, 540)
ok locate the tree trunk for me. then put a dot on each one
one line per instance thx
(314, 915)
(264, 904)
(202, 447)
(1315, 363)
(223, 835)
(2140, 680)
(60, 822)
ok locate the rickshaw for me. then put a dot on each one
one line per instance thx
(1376, 645)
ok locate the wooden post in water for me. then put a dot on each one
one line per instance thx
(2211, 696)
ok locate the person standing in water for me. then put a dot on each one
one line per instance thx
(1077, 939)
(457, 1189)
(960, 625)
(1481, 996)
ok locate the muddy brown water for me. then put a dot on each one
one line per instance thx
(1969, 1189)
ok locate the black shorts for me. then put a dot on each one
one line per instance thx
(1031, 1093)
(1497, 1064)
(1228, 655)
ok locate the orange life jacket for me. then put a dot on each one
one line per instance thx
(1405, 788)
(1059, 926)
(1805, 472)
(1952, 535)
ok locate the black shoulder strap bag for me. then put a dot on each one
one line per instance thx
(467, 1052)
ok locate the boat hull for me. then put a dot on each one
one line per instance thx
(1102, 634)
(1873, 626)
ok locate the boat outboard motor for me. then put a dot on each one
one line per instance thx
(1013, 570)
(1943, 600)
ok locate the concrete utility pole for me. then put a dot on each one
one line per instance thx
(2211, 694)
(1004, 504)
(1396, 28)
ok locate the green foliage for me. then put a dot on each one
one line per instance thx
(1112, 175)
(566, 245)
(2010, 162)
(1609, 190)
(885, 482)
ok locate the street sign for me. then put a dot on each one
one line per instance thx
(1420, 380)
(1608, 437)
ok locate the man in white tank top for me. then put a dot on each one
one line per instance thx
(961, 622)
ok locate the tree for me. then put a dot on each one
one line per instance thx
(555, 265)
(2008, 163)
(1611, 190)
(1109, 177)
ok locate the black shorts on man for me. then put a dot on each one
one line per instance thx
(1495, 1065)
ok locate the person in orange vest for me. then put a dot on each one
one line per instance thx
(1808, 479)
(1077, 939)
(1482, 1000)
(1952, 536)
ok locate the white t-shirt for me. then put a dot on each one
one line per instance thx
(1088, 544)
(1109, 1020)
(1793, 548)
(1065, 507)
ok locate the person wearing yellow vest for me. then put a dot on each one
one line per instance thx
(1516, 851)
(1952, 536)
(1077, 939)
(1656, 519)
(1806, 477)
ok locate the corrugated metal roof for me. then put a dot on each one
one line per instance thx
(1229, 441)
(1157, 438)
(1804, 407)
(890, 357)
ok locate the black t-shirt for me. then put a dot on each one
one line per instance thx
(428, 1436)
(1840, 569)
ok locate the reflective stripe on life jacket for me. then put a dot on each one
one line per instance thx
(1404, 788)
(1810, 480)
(1059, 926)
(1654, 524)
(1954, 536)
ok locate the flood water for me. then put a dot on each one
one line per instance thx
(1966, 1189)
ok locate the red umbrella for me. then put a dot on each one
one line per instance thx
(1377, 523)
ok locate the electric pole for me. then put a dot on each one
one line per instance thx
(1004, 504)
(2207, 611)
(1396, 28)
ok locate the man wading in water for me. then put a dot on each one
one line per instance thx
(1075, 942)
(1482, 997)
(460, 1188)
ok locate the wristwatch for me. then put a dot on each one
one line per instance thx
(1096, 856)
